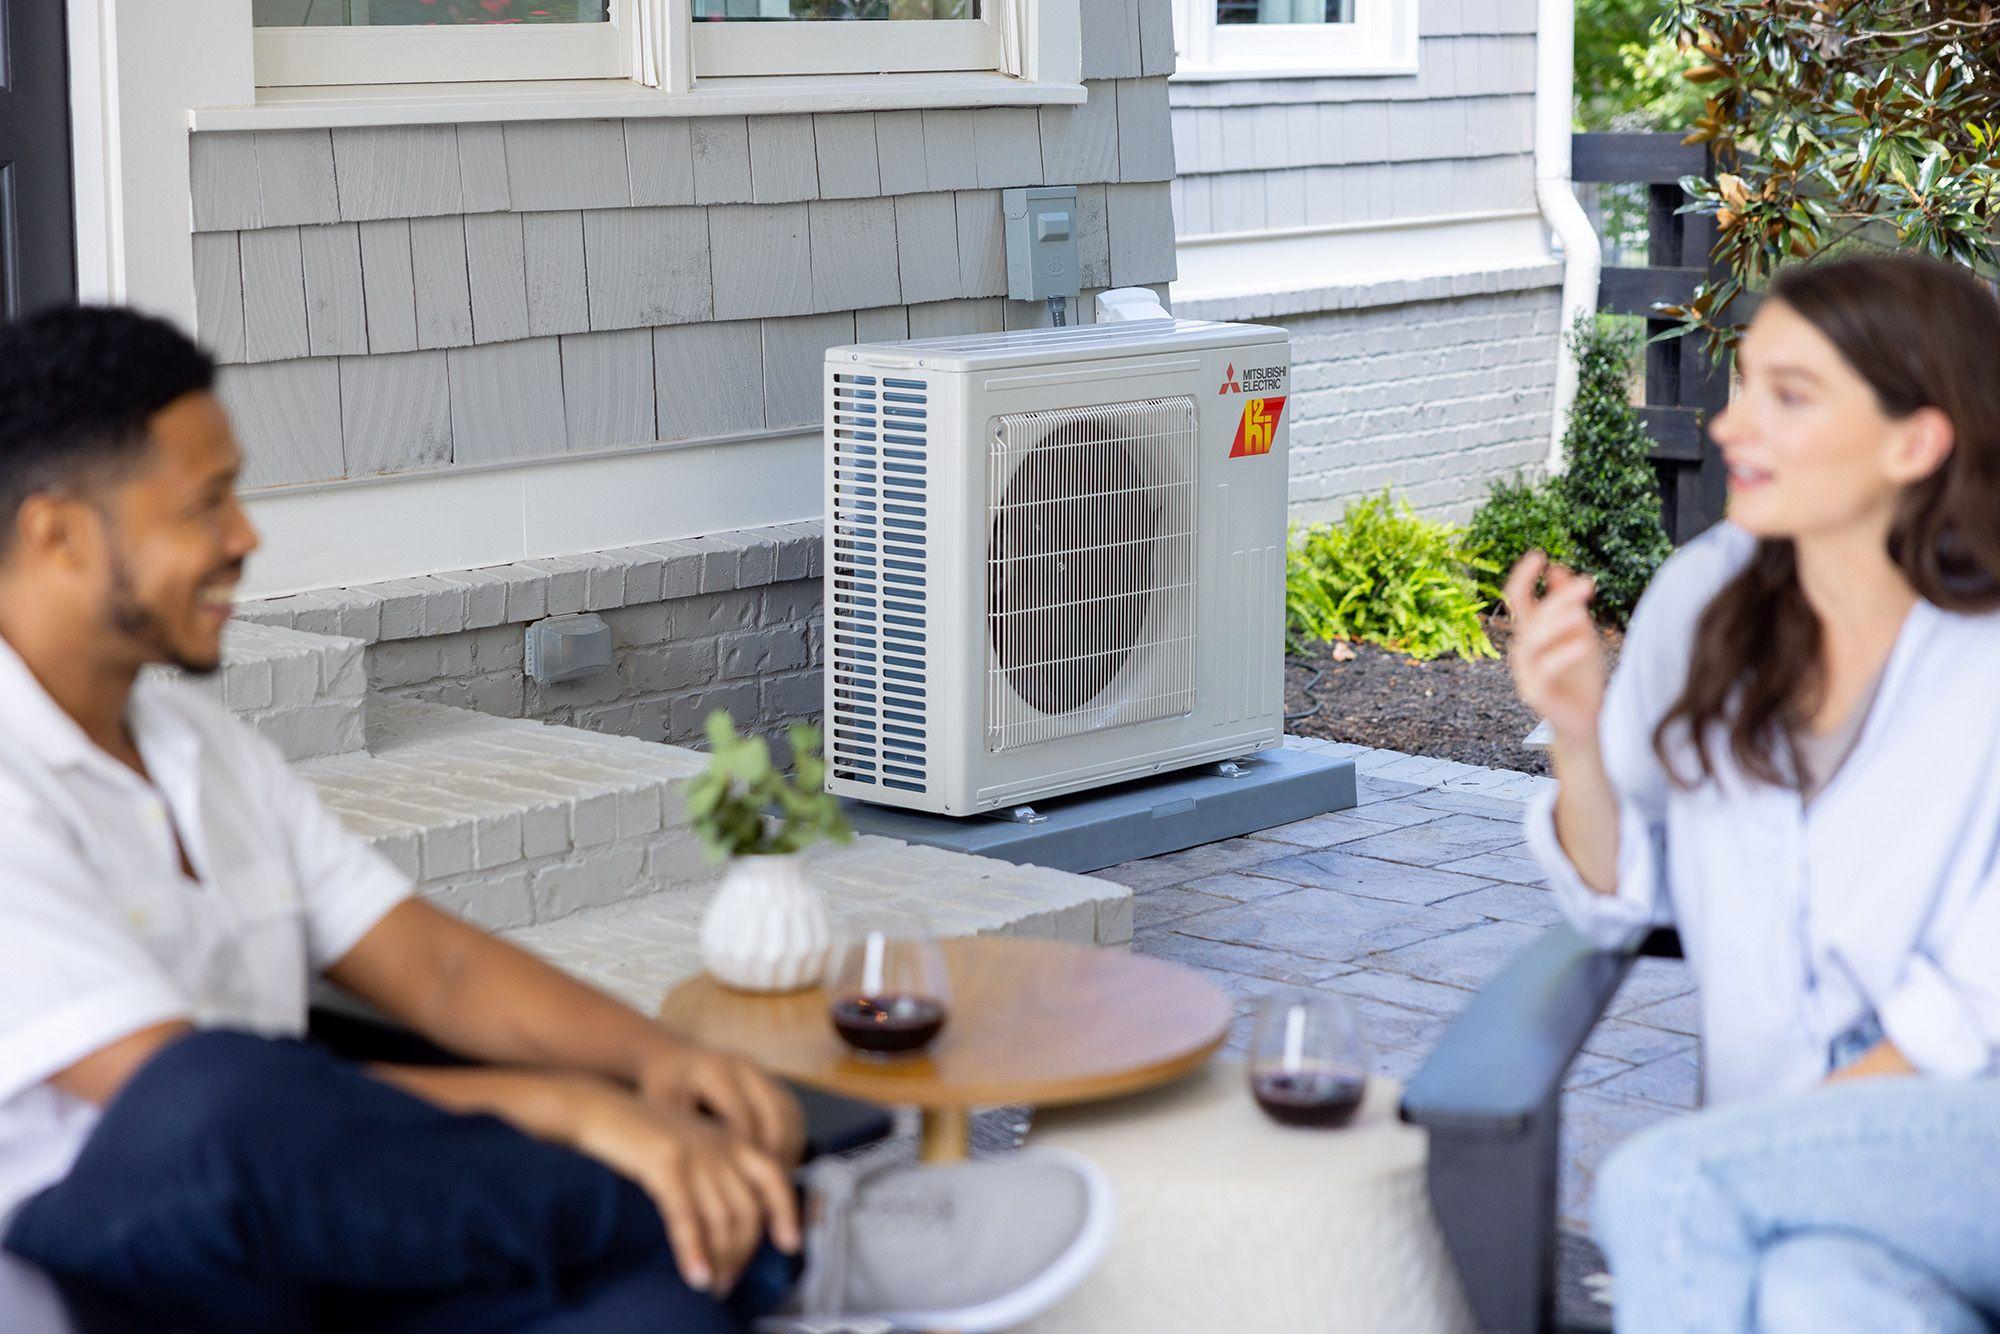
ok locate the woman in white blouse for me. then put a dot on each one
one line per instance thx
(1797, 763)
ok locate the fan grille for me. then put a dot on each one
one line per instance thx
(1090, 569)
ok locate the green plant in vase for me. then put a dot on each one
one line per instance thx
(767, 928)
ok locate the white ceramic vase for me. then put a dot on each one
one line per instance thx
(767, 928)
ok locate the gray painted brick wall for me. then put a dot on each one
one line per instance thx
(1435, 399)
(728, 620)
(753, 651)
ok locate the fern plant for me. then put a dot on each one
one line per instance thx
(743, 805)
(1385, 575)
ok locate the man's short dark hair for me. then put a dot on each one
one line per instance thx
(78, 385)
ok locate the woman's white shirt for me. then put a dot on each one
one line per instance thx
(1882, 897)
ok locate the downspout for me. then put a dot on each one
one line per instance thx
(1555, 92)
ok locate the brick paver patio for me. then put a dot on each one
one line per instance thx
(1406, 905)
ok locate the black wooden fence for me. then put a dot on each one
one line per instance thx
(1684, 388)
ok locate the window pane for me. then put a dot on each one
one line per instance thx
(1284, 11)
(383, 13)
(779, 11)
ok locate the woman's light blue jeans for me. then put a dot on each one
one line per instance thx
(1859, 1207)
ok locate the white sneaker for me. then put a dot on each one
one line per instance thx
(973, 1247)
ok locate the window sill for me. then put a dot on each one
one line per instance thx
(1250, 73)
(594, 99)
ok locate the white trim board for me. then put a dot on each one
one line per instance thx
(394, 527)
(135, 68)
(620, 99)
(1256, 263)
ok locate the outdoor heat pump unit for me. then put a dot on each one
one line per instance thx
(1055, 559)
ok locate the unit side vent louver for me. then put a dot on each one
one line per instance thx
(878, 579)
(1090, 569)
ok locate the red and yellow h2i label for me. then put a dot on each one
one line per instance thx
(1258, 428)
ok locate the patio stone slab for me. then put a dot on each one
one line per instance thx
(1398, 812)
(1448, 838)
(1177, 868)
(1154, 907)
(1244, 886)
(1649, 982)
(1230, 956)
(1472, 803)
(1636, 1043)
(1590, 1069)
(1511, 865)
(1398, 1063)
(1413, 993)
(1327, 924)
(1511, 903)
(1671, 1081)
(1388, 1025)
(1467, 958)
(1681, 1014)
(1325, 831)
(1368, 790)
(1370, 877)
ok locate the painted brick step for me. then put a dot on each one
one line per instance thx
(639, 949)
(303, 691)
(509, 823)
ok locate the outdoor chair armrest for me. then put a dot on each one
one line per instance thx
(1491, 1096)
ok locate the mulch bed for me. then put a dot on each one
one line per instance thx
(1448, 708)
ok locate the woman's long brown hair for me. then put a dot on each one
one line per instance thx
(1922, 333)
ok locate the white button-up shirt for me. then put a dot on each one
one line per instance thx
(101, 931)
(1879, 899)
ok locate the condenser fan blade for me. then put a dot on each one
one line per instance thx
(1073, 566)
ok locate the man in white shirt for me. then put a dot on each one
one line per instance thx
(167, 890)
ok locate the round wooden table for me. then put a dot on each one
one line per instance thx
(1032, 1021)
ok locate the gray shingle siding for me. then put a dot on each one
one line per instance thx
(1456, 137)
(362, 255)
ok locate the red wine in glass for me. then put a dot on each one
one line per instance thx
(1317, 1096)
(892, 1025)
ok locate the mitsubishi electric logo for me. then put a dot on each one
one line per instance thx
(1254, 380)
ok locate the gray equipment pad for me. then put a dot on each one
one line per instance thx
(1088, 831)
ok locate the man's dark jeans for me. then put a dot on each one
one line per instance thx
(244, 1183)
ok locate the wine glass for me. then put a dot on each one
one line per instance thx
(887, 988)
(1308, 1061)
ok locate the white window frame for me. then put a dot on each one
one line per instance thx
(1381, 40)
(805, 46)
(338, 56)
(310, 57)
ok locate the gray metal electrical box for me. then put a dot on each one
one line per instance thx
(1041, 241)
(562, 648)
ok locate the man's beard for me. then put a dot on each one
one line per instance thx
(137, 622)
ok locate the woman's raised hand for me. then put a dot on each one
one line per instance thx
(1557, 665)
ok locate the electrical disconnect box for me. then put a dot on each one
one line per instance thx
(1041, 242)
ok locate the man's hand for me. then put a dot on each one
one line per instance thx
(686, 1078)
(716, 1193)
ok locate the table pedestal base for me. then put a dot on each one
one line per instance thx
(947, 1135)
